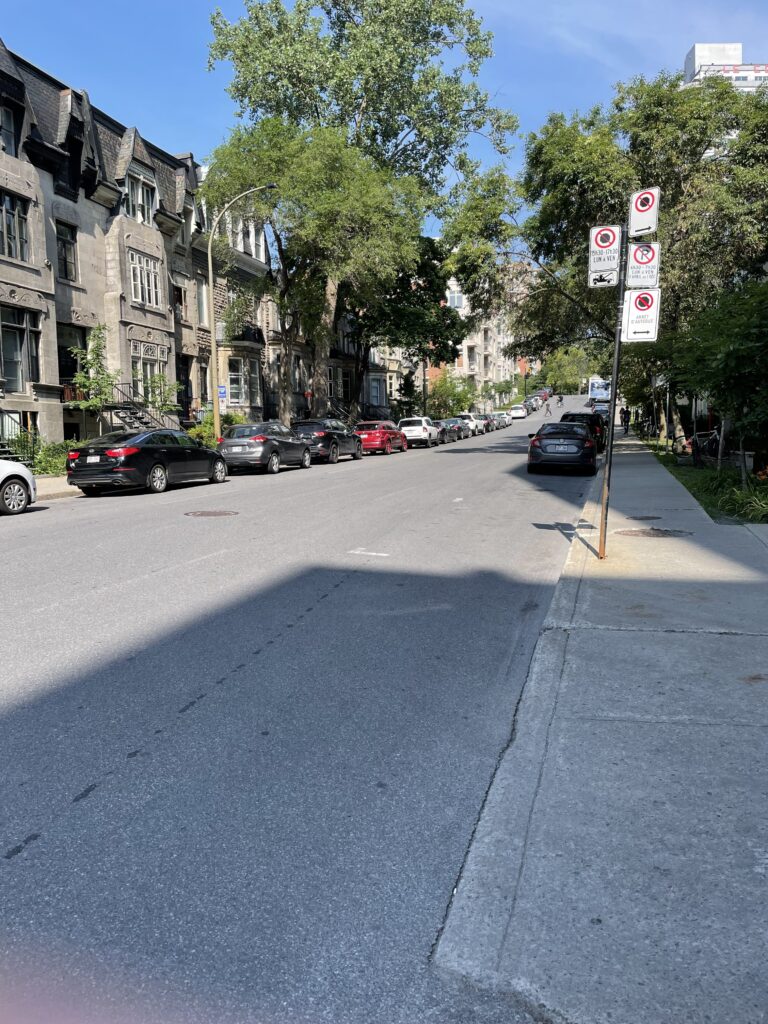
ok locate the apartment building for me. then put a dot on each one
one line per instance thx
(102, 227)
(725, 60)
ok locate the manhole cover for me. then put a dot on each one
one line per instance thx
(653, 531)
(213, 514)
(642, 518)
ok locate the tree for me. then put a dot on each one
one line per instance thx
(565, 369)
(93, 380)
(335, 218)
(706, 149)
(398, 78)
(449, 395)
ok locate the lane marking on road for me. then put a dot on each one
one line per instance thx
(362, 551)
(457, 499)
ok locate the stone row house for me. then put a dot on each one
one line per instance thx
(99, 226)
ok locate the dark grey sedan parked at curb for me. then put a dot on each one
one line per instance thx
(265, 445)
(560, 445)
(328, 439)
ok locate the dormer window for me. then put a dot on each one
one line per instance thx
(8, 131)
(140, 199)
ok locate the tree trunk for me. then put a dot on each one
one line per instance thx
(285, 393)
(743, 465)
(661, 416)
(721, 446)
(323, 348)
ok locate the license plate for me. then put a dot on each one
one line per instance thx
(363, 435)
(93, 458)
(562, 448)
(237, 447)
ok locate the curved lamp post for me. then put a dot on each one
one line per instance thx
(212, 311)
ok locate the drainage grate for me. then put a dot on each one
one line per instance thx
(642, 518)
(653, 531)
(213, 514)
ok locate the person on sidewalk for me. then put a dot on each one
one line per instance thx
(547, 409)
(625, 418)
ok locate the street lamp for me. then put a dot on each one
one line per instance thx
(212, 310)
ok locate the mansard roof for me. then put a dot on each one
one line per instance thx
(58, 111)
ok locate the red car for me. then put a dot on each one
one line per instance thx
(381, 436)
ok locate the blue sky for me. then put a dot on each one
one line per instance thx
(145, 62)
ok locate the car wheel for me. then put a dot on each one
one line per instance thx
(14, 497)
(219, 472)
(157, 480)
(333, 454)
(592, 470)
(358, 452)
(306, 459)
(404, 447)
(92, 492)
(273, 463)
(388, 448)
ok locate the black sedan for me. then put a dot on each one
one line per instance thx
(268, 445)
(593, 420)
(151, 459)
(453, 432)
(562, 444)
(329, 438)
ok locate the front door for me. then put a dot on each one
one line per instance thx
(196, 460)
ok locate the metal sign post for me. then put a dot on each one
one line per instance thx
(614, 390)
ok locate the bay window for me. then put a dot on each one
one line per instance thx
(140, 199)
(19, 347)
(8, 131)
(145, 278)
(254, 382)
(13, 227)
(236, 380)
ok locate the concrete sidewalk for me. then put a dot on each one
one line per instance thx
(618, 871)
(49, 487)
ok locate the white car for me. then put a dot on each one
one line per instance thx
(518, 412)
(17, 488)
(502, 419)
(476, 425)
(420, 430)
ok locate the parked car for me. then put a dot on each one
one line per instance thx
(518, 412)
(381, 436)
(603, 409)
(442, 432)
(266, 445)
(17, 488)
(562, 444)
(592, 420)
(419, 430)
(476, 425)
(502, 419)
(453, 431)
(328, 439)
(531, 404)
(463, 428)
(150, 458)
(489, 421)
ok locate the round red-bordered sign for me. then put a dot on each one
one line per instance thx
(643, 254)
(645, 202)
(643, 302)
(605, 238)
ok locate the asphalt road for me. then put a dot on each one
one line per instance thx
(242, 756)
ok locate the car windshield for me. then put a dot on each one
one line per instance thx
(245, 429)
(369, 426)
(410, 423)
(563, 429)
(303, 425)
(117, 437)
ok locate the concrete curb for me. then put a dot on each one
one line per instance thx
(478, 916)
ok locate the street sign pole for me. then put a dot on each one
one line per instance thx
(614, 390)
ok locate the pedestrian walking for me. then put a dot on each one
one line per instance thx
(626, 416)
(547, 409)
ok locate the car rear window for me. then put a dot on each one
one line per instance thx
(246, 429)
(410, 423)
(564, 429)
(117, 437)
(369, 426)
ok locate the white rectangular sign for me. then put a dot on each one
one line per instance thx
(640, 320)
(604, 248)
(644, 212)
(643, 264)
(603, 279)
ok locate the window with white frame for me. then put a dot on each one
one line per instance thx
(391, 380)
(66, 251)
(455, 298)
(143, 369)
(236, 381)
(254, 382)
(180, 306)
(331, 381)
(140, 199)
(13, 227)
(346, 385)
(20, 347)
(8, 131)
(202, 301)
(145, 278)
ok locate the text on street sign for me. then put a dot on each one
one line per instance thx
(604, 248)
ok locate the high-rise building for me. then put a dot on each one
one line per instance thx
(725, 60)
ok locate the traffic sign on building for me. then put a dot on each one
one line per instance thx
(604, 248)
(640, 321)
(644, 212)
(643, 265)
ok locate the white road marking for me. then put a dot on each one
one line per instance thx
(362, 551)
(457, 499)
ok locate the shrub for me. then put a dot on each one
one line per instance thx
(52, 458)
(204, 431)
(749, 505)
